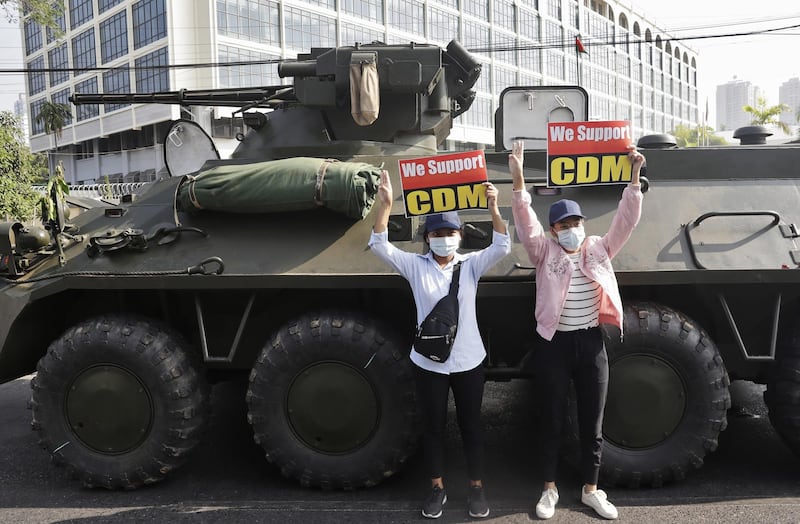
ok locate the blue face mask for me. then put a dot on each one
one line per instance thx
(572, 238)
(444, 246)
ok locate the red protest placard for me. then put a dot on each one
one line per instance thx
(588, 153)
(443, 183)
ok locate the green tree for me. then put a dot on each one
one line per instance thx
(53, 116)
(18, 170)
(687, 136)
(764, 115)
(45, 12)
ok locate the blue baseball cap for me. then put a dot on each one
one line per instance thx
(564, 208)
(448, 220)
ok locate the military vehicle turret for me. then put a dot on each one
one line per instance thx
(127, 312)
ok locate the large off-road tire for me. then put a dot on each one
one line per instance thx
(782, 396)
(331, 400)
(667, 398)
(119, 401)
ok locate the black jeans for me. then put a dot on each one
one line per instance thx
(432, 393)
(579, 356)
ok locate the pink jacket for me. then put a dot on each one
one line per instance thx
(553, 266)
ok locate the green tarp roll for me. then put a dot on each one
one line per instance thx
(293, 184)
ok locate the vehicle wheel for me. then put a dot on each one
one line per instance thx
(119, 401)
(331, 400)
(667, 398)
(782, 396)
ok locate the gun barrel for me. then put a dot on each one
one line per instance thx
(209, 97)
(306, 68)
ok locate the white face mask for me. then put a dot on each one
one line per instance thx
(572, 238)
(444, 246)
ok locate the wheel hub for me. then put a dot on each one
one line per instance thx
(646, 402)
(109, 409)
(332, 407)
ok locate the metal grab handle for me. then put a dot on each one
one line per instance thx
(776, 218)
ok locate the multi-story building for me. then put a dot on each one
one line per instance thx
(21, 112)
(731, 99)
(789, 94)
(632, 70)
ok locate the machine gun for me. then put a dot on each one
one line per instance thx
(421, 88)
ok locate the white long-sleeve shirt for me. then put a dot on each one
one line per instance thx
(429, 283)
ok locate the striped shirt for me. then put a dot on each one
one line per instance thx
(582, 308)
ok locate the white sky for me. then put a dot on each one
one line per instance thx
(765, 60)
(10, 58)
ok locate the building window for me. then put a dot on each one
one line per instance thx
(86, 111)
(503, 78)
(503, 14)
(477, 8)
(407, 15)
(529, 25)
(57, 59)
(448, 3)
(33, 36)
(504, 41)
(305, 30)
(36, 79)
(117, 80)
(114, 37)
(256, 20)
(352, 33)
(61, 25)
(250, 75)
(330, 4)
(479, 114)
(149, 22)
(476, 34)
(150, 78)
(80, 12)
(554, 8)
(62, 97)
(366, 9)
(554, 64)
(37, 127)
(105, 5)
(442, 26)
(530, 58)
(573, 20)
(83, 50)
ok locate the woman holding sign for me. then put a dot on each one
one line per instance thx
(430, 277)
(576, 291)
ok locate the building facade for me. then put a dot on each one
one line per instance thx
(789, 94)
(631, 69)
(21, 112)
(731, 98)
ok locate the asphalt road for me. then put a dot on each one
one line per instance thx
(751, 478)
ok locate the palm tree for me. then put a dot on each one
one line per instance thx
(763, 115)
(54, 116)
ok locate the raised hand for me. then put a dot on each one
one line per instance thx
(637, 160)
(385, 193)
(516, 160)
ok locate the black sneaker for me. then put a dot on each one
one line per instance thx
(478, 507)
(432, 508)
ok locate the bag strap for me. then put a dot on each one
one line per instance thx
(454, 283)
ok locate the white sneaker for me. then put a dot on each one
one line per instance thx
(547, 504)
(598, 501)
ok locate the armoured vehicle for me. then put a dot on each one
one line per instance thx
(128, 311)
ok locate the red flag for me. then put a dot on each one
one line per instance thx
(579, 46)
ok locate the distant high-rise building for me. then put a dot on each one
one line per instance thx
(731, 99)
(21, 112)
(789, 94)
(632, 68)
